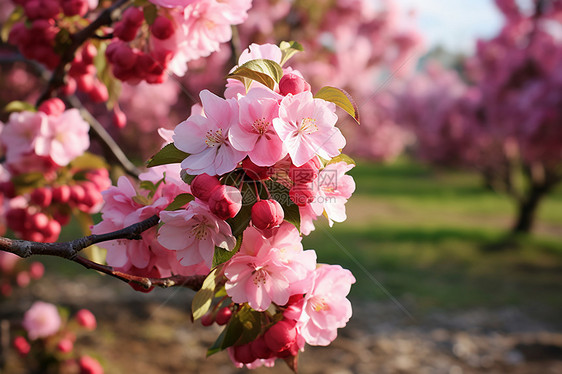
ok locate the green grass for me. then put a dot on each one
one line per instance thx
(440, 240)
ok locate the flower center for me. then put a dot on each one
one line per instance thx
(260, 126)
(214, 138)
(308, 126)
(318, 304)
(200, 230)
(260, 276)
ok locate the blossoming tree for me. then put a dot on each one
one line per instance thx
(223, 205)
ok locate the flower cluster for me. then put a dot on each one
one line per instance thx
(47, 172)
(14, 272)
(235, 186)
(49, 339)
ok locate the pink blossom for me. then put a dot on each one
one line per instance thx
(254, 132)
(172, 3)
(41, 320)
(325, 307)
(20, 136)
(193, 233)
(266, 271)
(307, 128)
(65, 138)
(333, 188)
(205, 138)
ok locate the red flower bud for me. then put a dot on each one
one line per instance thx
(223, 316)
(203, 185)
(22, 345)
(36, 270)
(89, 365)
(292, 84)
(207, 319)
(260, 349)
(162, 28)
(305, 173)
(267, 214)
(254, 171)
(42, 196)
(281, 336)
(86, 319)
(53, 107)
(244, 354)
(61, 194)
(225, 201)
(65, 345)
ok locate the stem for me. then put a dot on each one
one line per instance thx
(105, 18)
(105, 138)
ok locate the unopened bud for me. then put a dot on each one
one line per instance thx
(225, 202)
(292, 84)
(203, 185)
(267, 214)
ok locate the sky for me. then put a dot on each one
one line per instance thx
(455, 24)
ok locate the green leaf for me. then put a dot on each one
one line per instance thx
(150, 13)
(180, 201)
(239, 223)
(19, 106)
(222, 255)
(187, 178)
(202, 299)
(16, 16)
(244, 327)
(88, 161)
(142, 200)
(288, 50)
(290, 209)
(342, 157)
(341, 99)
(167, 155)
(63, 40)
(216, 347)
(28, 180)
(266, 72)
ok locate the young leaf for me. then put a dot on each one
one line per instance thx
(187, 178)
(243, 327)
(16, 16)
(266, 72)
(341, 99)
(150, 13)
(19, 106)
(290, 209)
(88, 161)
(167, 155)
(288, 50)
(342, 157)
(202, 299)
(180, 201)
(222, 255)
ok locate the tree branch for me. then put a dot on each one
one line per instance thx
(70, 249)
(77, 39)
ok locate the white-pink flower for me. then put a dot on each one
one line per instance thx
(254, 133)
(307, 127)
(205, 138)
(333, 189)
(65, 137)
(260, 273)
(21, 134)
(41, 320)
(193, 233)
(325, 307)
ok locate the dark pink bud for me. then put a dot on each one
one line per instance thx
(65, 346)
(51, 231)
(33, 9)
(119, 118)
(225, 202)
(305, 173)
(281, 335)
(74, 7)
(88, 53)
(85, 83)
(52, 107)
(203, 185)
(133, 16)
(22, 345)
(89, 365)
(39, 221)
(244, 354)
(267, 214)
(124, 56)
(61, 194)
(301, 194)
(125, 31)
(254, 171)
(223, 316)
(260, 349)
(42, 196)
(292, 84)
(36, 270)
(207, 319)
(8, 190)
(77, 193)
(23, 279)
(98, 93)
(86, 319)
(69, 88)
(17, 218)
(162, 28)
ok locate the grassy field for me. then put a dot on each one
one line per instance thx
(440, 240)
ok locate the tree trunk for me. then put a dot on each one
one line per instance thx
(527, 209)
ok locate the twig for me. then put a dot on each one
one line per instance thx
(104, 136)
(77, 39)
(70, 249)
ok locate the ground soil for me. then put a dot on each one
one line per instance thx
(153, 334)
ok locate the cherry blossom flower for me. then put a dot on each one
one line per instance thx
(325, 307)
(21, 133)
(254, 133)
(41, 320)
(193, 233)
(205, 137)
(307, 128)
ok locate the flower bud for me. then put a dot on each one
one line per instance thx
(281, 336)
(89, 365)
(260, 349)
(52, 107)
(225, 201)
(162, 28)
(292, 84)
(244, 354)
(119, 118)
(207, 319)
(98, 93)
(65, 346)
(203, 185)
(86, 319)
(267, 214)
(23, 279)
(133, 16)
(36, 270)
(61, 194)
(301, 194)
(74, 7)
(305, 173)
(42, 196)
(22, 345)
(223, 316)
(254, 171)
